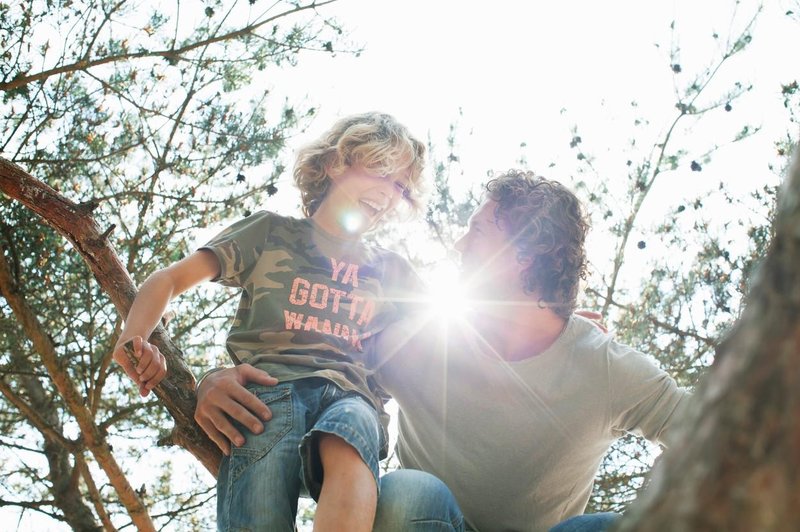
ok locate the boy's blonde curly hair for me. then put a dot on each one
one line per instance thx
(374, 141)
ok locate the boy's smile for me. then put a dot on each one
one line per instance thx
(358, 200)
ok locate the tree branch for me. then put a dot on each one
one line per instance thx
(72, 397)
(32, 415)
(94, 493)
(172, 54)
(177, 390)
(737, 465)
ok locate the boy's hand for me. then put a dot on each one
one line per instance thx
(222, 397)
(143, 363)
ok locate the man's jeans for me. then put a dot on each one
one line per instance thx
(259, 484)
(416, 501)
(588, 523)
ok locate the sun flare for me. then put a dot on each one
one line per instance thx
(448, 296)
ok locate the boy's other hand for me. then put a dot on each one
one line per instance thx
(142, 362)
(222, 397)
(596, 317)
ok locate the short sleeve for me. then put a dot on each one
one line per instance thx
(238, 247)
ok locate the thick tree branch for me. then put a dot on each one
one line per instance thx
(177, 390)
(739, 465)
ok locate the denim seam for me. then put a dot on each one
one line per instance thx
(253, 455)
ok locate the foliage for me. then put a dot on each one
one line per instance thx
(156, 119)
(677, 277)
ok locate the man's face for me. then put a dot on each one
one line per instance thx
(488, 257)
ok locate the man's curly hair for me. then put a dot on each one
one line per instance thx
(548, 226)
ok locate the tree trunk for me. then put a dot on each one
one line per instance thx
(75, 223)
(738, 467)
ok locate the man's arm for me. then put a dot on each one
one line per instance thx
(645, 399)
(222, 397)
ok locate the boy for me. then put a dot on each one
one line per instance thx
(313, 293)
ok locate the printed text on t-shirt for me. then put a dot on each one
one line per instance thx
(331, 300)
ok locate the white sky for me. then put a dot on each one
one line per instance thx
(527, 71)
(512, 66)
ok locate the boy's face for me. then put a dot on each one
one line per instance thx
(488, 256)
(364, 197)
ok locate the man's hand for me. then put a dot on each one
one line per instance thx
(596, 317)
(147, 367)
(222, 397)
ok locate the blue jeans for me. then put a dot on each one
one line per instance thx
(259, 483)
(588, 522)
(416, 501)
(412, 500)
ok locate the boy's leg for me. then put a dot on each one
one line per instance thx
(349, 494)
(412, 500)
(340, 462)
(259, 483)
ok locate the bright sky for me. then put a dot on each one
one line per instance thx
(512, 66)
(527, 71)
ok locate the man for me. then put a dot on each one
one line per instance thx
(512, 407)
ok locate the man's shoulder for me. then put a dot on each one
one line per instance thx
(589, 339)
(584, 334)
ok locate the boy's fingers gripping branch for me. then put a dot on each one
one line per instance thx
(142, 362)
(152, 368)
(127, 355)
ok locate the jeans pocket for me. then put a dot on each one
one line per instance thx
(256, 446)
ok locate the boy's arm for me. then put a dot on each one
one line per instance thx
(148, 307)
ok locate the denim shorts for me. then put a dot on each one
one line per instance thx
(259, 483)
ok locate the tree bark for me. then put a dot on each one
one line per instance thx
(738, 467)
(76, 224)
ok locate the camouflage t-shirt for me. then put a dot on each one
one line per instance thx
(310, 301)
